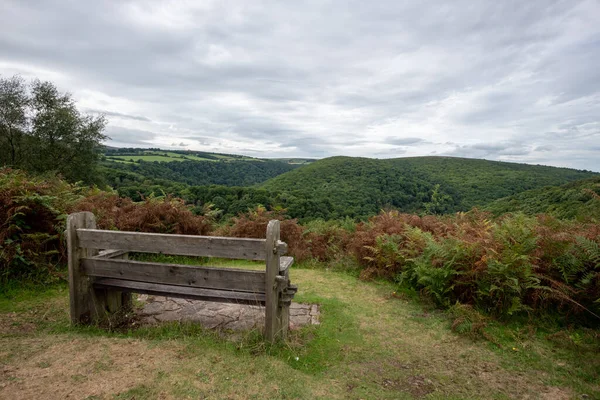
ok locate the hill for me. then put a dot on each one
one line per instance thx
(144, 171)
(132, 155)
(575, 200)
(227, 173)
(358, 187)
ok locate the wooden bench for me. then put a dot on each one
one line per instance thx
(101, 278)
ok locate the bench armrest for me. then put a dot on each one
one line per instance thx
(284, 264)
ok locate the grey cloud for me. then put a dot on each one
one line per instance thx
(319, 145)
(404, 141)
(544, 148)
(392, 153)
(129, 137)
(119, 115)
(309, 145)
(519, 76)
(203, 140)
(484, 150)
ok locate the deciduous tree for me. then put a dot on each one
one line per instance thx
(45, 132)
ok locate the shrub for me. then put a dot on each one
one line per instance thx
(511, 265)
(154, 214)
(253, 224)
(328, 241)
(32, 220)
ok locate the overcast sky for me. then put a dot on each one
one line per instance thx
(502, 80)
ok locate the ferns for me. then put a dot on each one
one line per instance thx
(31, 219)
(435, 269)
(591, 249)
(589, 281)
(516, 264)
(386, 257)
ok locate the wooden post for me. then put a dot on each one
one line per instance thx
(83, 304)
(272, 308)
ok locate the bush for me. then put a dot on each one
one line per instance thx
(154, 214)
(514, 264)
(253, 224)
(33, 212)
(32, 221)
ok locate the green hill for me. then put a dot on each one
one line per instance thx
(575, 200)
(359, 187)
(135, 172)
(228, 173)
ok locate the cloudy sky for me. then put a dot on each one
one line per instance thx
(503, 80)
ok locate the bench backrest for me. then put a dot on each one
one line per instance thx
(175, 274)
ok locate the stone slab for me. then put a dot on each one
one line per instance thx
(212, 315)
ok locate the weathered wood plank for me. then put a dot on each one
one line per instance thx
(183, 245)
(222, 296)
(285, 263)
(175, 274)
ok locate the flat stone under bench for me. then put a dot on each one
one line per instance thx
(211, 315)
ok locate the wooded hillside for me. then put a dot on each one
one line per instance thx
(358, 187)
(575, 200)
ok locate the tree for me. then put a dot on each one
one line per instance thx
(439, 202)
(46, 133)
(13, 120)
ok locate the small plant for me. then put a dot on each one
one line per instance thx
(386, 258)
(467, 320)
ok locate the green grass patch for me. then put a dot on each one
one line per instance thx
(374, 342)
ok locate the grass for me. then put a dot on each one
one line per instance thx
(373, 343)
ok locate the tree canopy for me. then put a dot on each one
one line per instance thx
(41, 131)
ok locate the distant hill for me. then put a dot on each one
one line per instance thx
(296, 161)
(133, 171)
(362, 186)
(131, 155)
(576, 200)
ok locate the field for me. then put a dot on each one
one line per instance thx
(150, 156)
(373, 343)
(170, 156)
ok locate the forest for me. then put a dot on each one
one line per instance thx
(331, 188)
